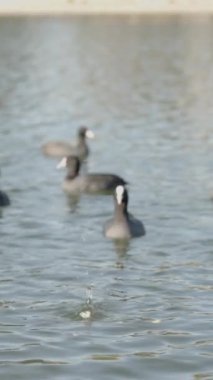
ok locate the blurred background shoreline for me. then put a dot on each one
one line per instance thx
(137, 7)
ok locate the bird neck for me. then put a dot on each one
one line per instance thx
(81, 140)
(120, 210)
(71, 175)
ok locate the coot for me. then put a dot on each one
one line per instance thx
(89, 183)
(61, 149)
(122, 226)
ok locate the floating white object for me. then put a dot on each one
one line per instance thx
(85, 314)
(156, 321)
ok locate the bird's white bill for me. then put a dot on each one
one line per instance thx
(90, 134)
(62, 163)
(119, 194)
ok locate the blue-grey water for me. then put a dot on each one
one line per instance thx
(72, 304)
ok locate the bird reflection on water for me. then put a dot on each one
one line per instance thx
(121, 247)
(73, 203)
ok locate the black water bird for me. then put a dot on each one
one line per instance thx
(62, 148)
(123, 225)
(75, 183)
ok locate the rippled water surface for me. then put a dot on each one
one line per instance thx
(145, 86)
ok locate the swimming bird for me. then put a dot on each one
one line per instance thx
(4, 199)
(122, 226)
(61, 148)
(75, 183)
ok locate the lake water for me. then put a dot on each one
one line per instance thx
(145, 87)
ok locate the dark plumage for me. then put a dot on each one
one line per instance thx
(4, 199)
(89, 183)
(122, 226)
(61, 148)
